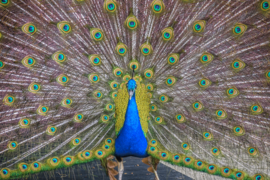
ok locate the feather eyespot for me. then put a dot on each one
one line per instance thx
(131, 22)
(239, 29)
(267, 74)
(148, 73)
(215, 151)
(36, 166)
(180, 118)
(117, 72)
(12, 145)
(163, 98)
(66, 102)
(28, 62)
(105, 118)
(207, 136)
(78, 118)
(110, 6)
(258, 177)
(93, 78)
(59, 57)
(87, 154)
(29, 28)
(185, 146)
(157, 6)
(167, 34)
(2, 64)
(109, 107)
(199, 26)
(126, 77)
(76, 141)
(188, 160)
(206, 58)
(4, 3)
(252, 151)
(96, 34)
(134, 65)
(170, 81)
(265, 5)
(51, 130)
(173, 59)
(159, 119)
(68, 160)
(24, 123)
(121, 49)
(256, 109)
(94, 59)
(64, 27)
(197, 106)
(33, 87)
(177, 158)
(204, 83)
(238, 65)
(114, 85)
(98, 94)
(153, 107)
(23, 167)
(211, 169)
(232, 92)
(238, 130)
(100, 153)
(9, 100)
(146, 49)
(42, 110)
(221, 114)
(62, 79)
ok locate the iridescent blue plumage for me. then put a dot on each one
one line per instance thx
(131, 140)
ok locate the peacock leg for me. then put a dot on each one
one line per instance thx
(152, 162)
(120, 167)
(156, 174)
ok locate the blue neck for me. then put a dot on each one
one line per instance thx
(131, 140)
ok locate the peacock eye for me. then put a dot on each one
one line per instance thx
(94, 78)
(64, 27)
(4, 1)
(172, 59)
(146, 49)
(199, 26)
(28, 62)
(29, 28)
(134, 65)
(157, 6)
(111, 6)
(167, 33)
(117, 72)
(131, 22)
(96, 34)
(265, 6)
(170, 81)
(239, 29)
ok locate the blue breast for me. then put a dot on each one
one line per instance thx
(131, 140)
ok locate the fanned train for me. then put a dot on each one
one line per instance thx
(180, 81)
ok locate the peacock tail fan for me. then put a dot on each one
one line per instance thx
(202, 71)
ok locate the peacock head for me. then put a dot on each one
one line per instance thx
(131, 86)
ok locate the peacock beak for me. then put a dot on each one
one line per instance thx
(131, 92)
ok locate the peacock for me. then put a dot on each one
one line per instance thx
(182, 82)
